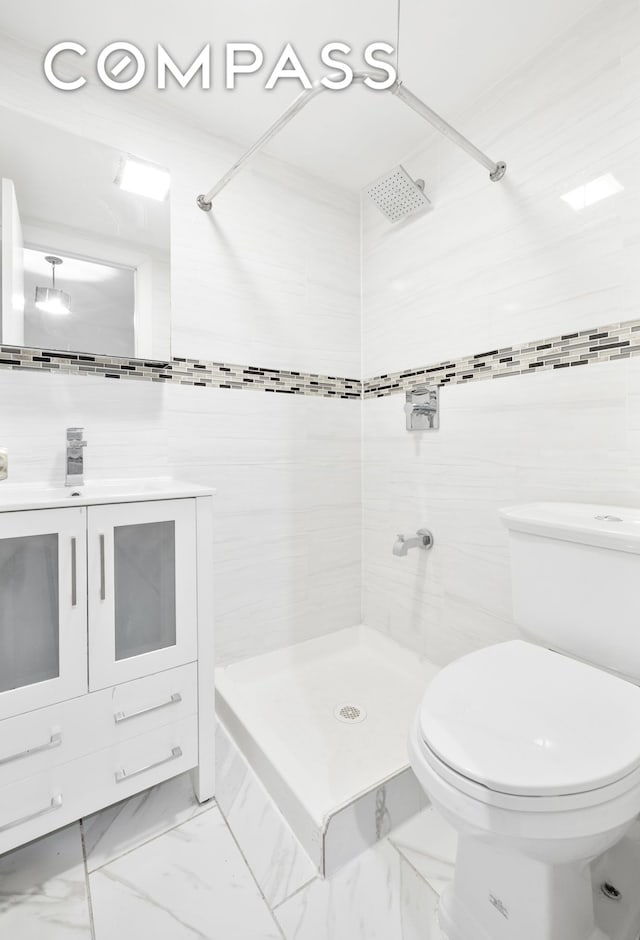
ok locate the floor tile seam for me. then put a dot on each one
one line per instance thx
(298, 890)
(253, 877)
(87, 884)
(412, 866)
(200, 812)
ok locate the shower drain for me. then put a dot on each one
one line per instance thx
(350, 713)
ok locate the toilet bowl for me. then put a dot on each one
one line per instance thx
(533, 755)
(534, 758)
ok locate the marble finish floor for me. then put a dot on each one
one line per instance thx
(160, 865)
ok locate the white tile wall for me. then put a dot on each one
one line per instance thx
(287, 513)
(567, 435)
(271, 274)
(286, 469)
(270, 278)
(492, 265)
(499, 263)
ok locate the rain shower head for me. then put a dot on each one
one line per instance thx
(398, 196)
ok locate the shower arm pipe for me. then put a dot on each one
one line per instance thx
(496, 170)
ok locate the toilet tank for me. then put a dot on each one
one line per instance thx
(575, 575)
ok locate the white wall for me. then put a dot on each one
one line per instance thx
(272, 274)
(499, 263)
(493, 265)
(567, 435)
(270, 279)
(286, 469)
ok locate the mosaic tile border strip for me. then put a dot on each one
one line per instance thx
(600, 344)
(178, 371)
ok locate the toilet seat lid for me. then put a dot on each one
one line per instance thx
(524, 720)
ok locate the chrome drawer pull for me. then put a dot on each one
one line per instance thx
(175, 699)
(54, 741)
(56, 803)
(121, 775)
(103, 586)
(74, 578)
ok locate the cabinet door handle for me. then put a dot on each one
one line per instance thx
(54, 741)
(74, 574)
(175, 699)
(56, 803)
(121, 775)
(103, 587)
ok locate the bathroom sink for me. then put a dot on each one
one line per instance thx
(18, 496)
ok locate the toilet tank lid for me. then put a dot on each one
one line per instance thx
(597, 524)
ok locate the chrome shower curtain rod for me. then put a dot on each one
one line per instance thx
(496, 170)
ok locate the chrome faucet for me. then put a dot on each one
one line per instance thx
(75, 458)
(422, 408)
(423, 539)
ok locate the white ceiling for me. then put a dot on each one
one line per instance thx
(450, 51)
(68, 181)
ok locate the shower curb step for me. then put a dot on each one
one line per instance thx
(368, 818)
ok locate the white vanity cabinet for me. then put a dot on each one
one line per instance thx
(106, 649)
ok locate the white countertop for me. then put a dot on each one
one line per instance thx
(20, 496)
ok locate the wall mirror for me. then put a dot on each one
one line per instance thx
(85, 244)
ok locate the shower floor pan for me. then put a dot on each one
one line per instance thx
(324, 725)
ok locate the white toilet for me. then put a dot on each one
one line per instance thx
(531, 748)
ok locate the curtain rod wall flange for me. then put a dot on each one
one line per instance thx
(497, 170)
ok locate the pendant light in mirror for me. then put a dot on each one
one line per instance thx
(52, 299)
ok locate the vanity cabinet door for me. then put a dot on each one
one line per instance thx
(43, 609)
(142, 589)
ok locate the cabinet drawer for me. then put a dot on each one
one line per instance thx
(144, 704)
(32, 743)
(141, 762)
(63, 793)
(61, 733)
(35, 805)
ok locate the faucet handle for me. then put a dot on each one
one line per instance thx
(75, 439)
(426, 538)
(401, 537)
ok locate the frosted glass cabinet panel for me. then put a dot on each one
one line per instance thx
(29, 600)
(42, 608)
(144, 558)
(142, 615)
